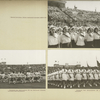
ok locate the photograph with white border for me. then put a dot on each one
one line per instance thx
(73, 24)
(22, 69)
(74, 69)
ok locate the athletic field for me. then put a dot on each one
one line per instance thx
(35, 85)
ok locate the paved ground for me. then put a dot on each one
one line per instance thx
(87, 87)
(35, 85)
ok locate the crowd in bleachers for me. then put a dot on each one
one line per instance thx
(67, 14)
(22, 73)
(70, 28)
(53, 69)
(56, 14)
(83, 15)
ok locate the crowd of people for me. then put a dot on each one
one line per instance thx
(19, 77)
(75, 77)
(73, 37)
(73, 28)
(22, 73)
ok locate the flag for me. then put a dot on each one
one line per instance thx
(98, 64)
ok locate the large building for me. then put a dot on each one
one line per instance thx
(66, 65)
(60, 4)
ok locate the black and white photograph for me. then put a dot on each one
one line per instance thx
(22, 69)
(73, 69)
(73, 24)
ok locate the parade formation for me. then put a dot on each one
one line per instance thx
(13, 75)
(75, 77)
(19, 77)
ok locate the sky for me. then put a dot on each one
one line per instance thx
(84, 5)
(72, 57)
(23, 56)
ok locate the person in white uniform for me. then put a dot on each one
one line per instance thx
(99, 76)
(84, 77)
(96, 38)
(71, 77)
(78, 77)
(96, 77)
(89, 38)
(90, 77)
(0, 77)
(80, 41)
(65, 39)
(64, 78)
(73, 37)
(53, 39)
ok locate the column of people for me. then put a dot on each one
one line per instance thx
(79, 77)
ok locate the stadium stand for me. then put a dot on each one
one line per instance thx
(74, 16)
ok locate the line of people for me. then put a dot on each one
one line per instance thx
(14, 78)
(73, 37)
(70, 78)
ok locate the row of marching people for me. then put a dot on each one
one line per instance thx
(71, 78)
(74, 37)
(19, 77)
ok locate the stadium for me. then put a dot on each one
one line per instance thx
(74, 76)
(75, 22)
(73, 69)
(22, 75)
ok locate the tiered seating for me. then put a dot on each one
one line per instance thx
(64, 15)
(22, 68)
(83, 15)
(53, 69)
(56, 14)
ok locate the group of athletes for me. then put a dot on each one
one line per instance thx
(73, 37)
(71, 78)
(19, 77)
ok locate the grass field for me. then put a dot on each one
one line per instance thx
(35, 85)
